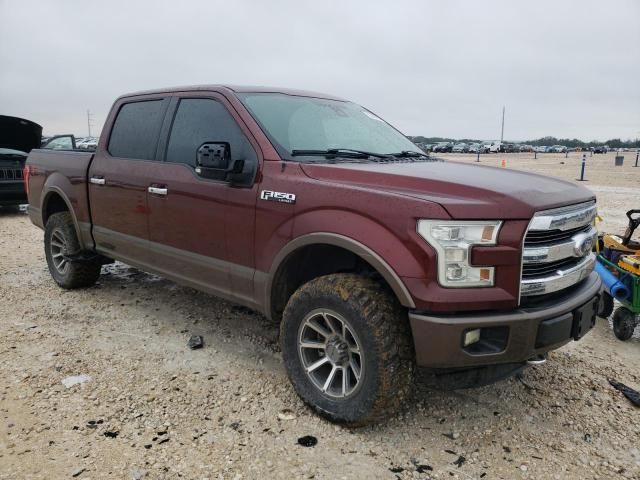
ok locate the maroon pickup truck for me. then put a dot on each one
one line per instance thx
(374, 257)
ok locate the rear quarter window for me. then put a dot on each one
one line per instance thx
(136, 129)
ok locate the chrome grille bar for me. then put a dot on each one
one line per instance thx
(557, 248)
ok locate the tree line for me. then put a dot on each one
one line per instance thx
(567, 142)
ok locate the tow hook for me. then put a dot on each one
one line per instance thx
(537, 360)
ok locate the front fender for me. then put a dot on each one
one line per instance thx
(357, 248)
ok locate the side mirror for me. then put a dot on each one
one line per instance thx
(213, 160)
(213, 155)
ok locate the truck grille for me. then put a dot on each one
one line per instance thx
(10, 174)
(557, 249)
(542, 237)
(543, 269)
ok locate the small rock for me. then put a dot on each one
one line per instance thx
(79, 471)
(75, 380)
(137, 474)
(308, 441)
(195, 342)
(286, 414)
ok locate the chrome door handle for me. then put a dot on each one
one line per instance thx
(97, 180)
(157, 190)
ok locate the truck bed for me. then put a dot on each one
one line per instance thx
(64, 173)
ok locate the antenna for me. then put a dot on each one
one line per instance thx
(502, 130)
(89, 121)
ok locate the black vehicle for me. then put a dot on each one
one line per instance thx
(443, 147)
(600, 149)
(17, 137)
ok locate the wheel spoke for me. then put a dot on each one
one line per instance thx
(321, 330)
(317, 364)
(307, 344)
(345, 380)
(62, 264)
(330, 378)
(329, 322)
(354, 368)
(57, 255)
(57, 244)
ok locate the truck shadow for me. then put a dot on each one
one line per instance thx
(13, 211)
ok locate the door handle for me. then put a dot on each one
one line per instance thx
(158, 190)
(97, 180)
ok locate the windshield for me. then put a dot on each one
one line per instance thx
(296, 123)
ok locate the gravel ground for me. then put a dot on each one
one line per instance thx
(152, 408)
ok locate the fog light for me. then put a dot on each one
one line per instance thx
(455, 272)
(472, 336)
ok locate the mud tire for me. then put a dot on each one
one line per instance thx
(382, 327)
(77, 274)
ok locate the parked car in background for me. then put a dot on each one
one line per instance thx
(460, 148)
(17, 138)
(475, 148)
(495, 147)
(559, 149)
(510, 148)
(600, 149)
(443, 147)
(88, 143)
(61, 142)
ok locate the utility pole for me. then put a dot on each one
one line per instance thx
(89, 121)
(502, 129)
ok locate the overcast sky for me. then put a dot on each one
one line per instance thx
(433, 68)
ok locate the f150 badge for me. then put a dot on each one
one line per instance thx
(278, 196)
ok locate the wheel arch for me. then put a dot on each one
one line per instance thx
(56, 201)
(277, 290)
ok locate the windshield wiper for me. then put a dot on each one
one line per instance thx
(338, 152)
(409, 154)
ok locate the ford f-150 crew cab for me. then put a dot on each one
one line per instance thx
(373, 257)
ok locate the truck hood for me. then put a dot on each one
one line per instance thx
(466, 191)
(19, 134)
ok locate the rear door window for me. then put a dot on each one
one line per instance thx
(136, 129)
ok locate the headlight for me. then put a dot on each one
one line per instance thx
(452, 241)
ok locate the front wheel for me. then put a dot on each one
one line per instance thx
(60, 244)
(347, 348)
(624, 323)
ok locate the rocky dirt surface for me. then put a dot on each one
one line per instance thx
(148, 407)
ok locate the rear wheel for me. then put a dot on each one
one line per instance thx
(60, 244)
(624, 323)
(347, 348)
(605, 306)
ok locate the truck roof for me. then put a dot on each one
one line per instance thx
(234, 89)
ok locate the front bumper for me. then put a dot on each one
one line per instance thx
(12, 193)
(513, 336)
